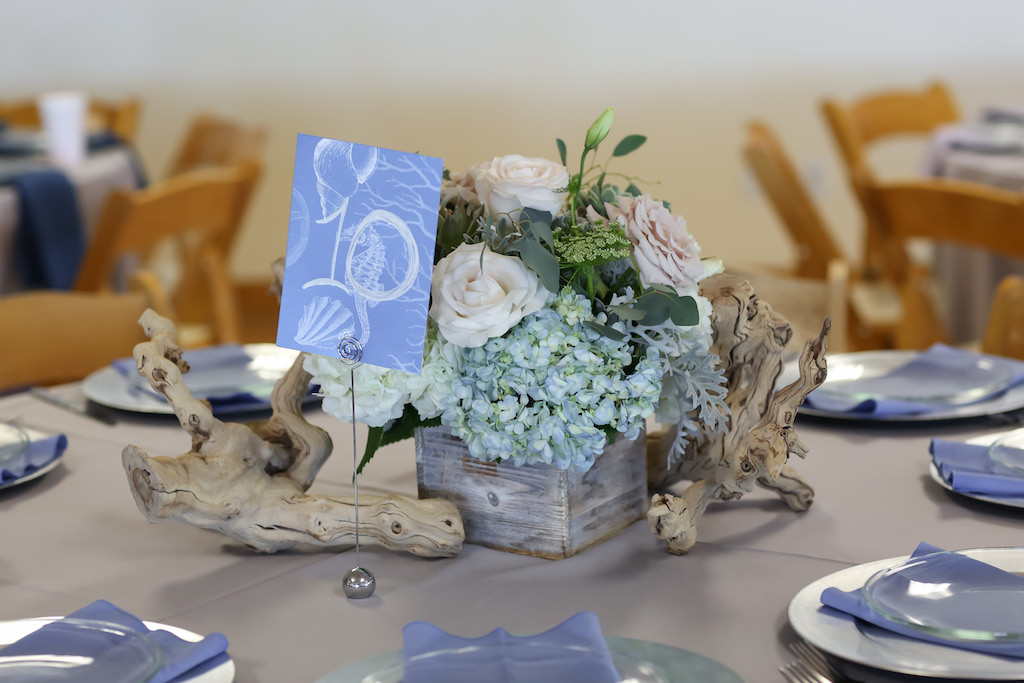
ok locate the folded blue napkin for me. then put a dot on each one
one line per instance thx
(40, 450)
(572, 652)
(182, 660)
(50, 241)
(967, 468)
(954, 569)
(939, 358)
(199, 360)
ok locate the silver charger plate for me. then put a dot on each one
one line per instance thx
(1009, 400)
(678, 665)
(110, 388)
(862, 643)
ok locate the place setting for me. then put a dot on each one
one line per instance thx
(103, 643)
(937, 614)
(989, 467)
(575, 651)
(27, 454)
(940, 383)
(234, 378)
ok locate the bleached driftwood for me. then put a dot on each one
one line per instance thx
(250, 481)
(749, 339)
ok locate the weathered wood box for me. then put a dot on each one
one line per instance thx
(535, 510)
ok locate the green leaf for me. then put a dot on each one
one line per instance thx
(539, 260)
(539, 224)
(633, 190)
(561, 149)
(609, 332)
(401, 429)
(629, 144)
(626, 312)
(660, 305)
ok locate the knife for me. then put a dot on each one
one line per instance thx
(61, 402)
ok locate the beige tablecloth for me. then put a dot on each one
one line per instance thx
(75, 535)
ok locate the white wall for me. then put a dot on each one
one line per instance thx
(466, 80)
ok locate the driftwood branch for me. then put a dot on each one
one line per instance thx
(749, 339)
(249, 481)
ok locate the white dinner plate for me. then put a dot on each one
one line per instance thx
(110, 388)
(857, 641)
(10, 631)
(1009, 400)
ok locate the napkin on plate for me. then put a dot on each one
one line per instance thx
(232, 359)
(41, 450)
(965, 569)
(182, 660)
(967, 468)
(576, 653)
(937, 358)
(987, 138)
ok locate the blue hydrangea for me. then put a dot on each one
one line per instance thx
(547, 391)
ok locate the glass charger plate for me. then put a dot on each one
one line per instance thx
(10, 631)
(911, 377)
(862, 643)
(1007, 401)
(110, 388)
(944, 594)
(645, 660)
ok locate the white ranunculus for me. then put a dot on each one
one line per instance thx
(664, 251)
(510, 183)
(474, 300)
(461, 186)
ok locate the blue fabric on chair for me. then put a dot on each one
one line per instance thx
(50, 240)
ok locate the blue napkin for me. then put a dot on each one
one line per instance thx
(199, 360)
(938, 358)
(50, 241)
(576, 653)
(182, 660)
(967, 468)
(956, 568)
(41, 450)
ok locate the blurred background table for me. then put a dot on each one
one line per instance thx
(967, 278)
(75, 535)
(103, 171)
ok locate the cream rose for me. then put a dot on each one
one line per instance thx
(664, 251)
(461, 186)
(473, 301)
(510, 183)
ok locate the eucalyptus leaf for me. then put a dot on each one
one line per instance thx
(539, 223)
(626, 312)
(609, 332)
(539, 260)
(628, 144)
(562, 152)
(659, 306)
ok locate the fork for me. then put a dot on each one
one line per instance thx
(798, 672)
(816, 662)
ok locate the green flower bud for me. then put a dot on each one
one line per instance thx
(599, 130)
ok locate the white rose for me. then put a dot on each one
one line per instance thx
(461, 186)
(510, 183)
(664, 251)
(473, 301)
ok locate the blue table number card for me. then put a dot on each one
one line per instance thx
(360, 251)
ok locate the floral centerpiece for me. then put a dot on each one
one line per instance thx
(564, 311)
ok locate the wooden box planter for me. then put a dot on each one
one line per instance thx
(535, 510)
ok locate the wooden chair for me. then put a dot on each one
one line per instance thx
(52, 337)
(204, 207)
(217, 141)
(1004, 334)
(871, 311)
(940, 210)
(118, 117)
(859, 125)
